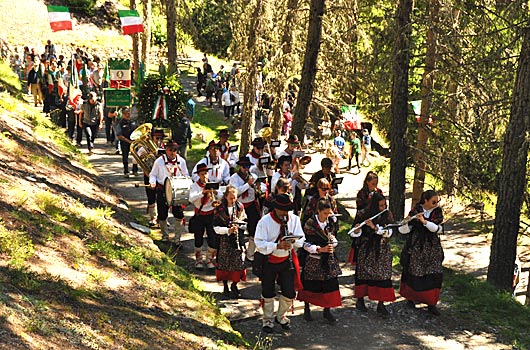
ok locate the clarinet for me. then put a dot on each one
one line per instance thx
(231, 223)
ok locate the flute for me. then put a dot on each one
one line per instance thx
(350, 232)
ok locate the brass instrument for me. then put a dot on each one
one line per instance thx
(266, 133)
(211, 196)
(143, 149)
(298, 177)
(305, 160)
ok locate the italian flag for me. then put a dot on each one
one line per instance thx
(59, 18)
(130, 21)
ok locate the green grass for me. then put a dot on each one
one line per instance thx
(479, 302)
(8, 77)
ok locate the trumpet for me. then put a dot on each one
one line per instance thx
(211, 196)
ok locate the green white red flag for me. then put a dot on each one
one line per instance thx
(59, 18)
(131, 22)
(160, 110)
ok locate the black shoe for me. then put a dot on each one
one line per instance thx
(307, 313)
(360, 305)
(381, 309)
(433, 310)
(267, 329)
(328, 316)
(234, 293)
(285, 326)
(411, 304)
(226, 291)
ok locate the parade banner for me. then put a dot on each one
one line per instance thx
(117, 97)
(120, 73)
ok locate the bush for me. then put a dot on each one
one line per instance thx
(82, 6)
(151, 88)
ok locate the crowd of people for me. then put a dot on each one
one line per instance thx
(257, 210)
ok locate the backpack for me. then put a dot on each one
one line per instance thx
(232, 97)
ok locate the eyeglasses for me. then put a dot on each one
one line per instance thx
(325, 188)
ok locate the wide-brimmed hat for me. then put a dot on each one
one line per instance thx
(244, 161)
(201, 167)
(292, 139)
(171, 145)
(213, 144)
(283, 202)
(258, 142)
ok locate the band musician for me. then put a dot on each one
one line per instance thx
(230, 157)
(218, 168)
(169, 164)
(248, 190)
(280, 260)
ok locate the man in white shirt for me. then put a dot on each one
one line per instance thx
(170, 164)
(246, 188)
(218, 168)
(258, 145)
(280, 259)
(230, 157)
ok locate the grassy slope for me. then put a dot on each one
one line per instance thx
(72, 274)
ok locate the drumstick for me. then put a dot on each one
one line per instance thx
(141, 185)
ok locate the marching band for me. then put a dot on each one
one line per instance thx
(292, 239)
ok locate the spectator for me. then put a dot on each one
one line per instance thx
(366, 147)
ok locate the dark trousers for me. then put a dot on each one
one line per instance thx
(253, 217)
(284, 274)
(205, 223)
(70, 123)
(226, 110)
(163, 209)
(78, 133)
(91, 132)
(151, 193)
(182, 149)
(109, 131)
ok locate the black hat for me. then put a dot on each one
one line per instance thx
(201, 167)
(283, 202)
(258, 142)
(224, 132)
(244, 161)
(292, 139)
(213, 144)
(172, 145)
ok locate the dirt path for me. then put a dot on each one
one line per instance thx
(405, 329)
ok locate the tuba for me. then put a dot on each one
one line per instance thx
(143, 149)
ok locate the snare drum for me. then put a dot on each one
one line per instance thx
(177, 190)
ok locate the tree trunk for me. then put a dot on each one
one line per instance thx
(450, 162)
(171, 15)
(251, 80)
(513, 177)
(135, 48)
(309, 68)
(426, 97)
(146, 35)
(400, 98)
(281, 81)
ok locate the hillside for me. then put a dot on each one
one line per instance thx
(74, 276)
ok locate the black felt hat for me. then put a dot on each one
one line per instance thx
(283, 202)
(244, 161)
(201, 167)
(213, 144)
(258, 142)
